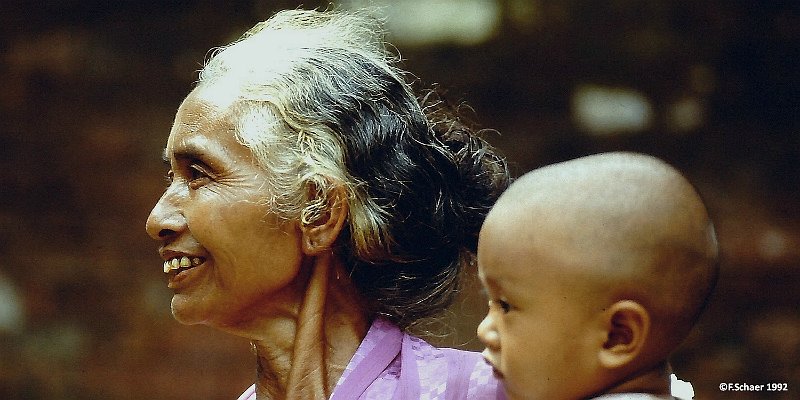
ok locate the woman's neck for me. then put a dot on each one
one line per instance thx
(302, 354)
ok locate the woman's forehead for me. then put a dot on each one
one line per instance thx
(202, 128)
(200, 114)
(210, 101)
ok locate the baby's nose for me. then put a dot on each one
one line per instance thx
(488, 334)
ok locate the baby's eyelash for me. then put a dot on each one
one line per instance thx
(500, 303)
(504, 305)
(495, 301)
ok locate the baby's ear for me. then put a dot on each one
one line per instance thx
(322, 221)
(627, 328)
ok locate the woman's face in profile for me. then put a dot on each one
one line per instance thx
(226, 253)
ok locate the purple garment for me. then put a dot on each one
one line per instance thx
(392, 365)
(633, 396)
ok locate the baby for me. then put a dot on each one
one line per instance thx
(596, 270)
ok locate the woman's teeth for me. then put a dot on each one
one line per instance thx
(181, 262)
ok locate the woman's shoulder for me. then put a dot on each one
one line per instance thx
(446, 373)
(249, 394)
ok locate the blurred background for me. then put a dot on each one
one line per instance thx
(88, 90)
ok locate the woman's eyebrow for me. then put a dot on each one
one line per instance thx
(186, 151)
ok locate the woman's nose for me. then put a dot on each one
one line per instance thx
(487, 333)
(165, 219)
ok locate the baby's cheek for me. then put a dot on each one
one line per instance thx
(522, 359)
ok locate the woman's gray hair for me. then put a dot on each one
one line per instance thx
(321, 105)
(281, 67)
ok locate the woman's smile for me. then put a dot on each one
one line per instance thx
(181, 263)
(182, 269)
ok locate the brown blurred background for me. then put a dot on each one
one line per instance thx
(88, 90)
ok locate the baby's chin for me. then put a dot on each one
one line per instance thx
(513, 396)
(497, 374)
(521, 392)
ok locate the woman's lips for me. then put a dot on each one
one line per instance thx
(182, 262)
(180, 270)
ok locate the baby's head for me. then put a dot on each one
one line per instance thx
(596, 269)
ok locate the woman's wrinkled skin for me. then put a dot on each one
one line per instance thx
(273, 281)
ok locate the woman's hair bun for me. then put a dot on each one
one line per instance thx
(437, 183)
(482, 173)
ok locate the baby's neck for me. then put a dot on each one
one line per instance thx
(655, 381)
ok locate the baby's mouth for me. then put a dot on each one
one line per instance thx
(181, 263)
(495, 371)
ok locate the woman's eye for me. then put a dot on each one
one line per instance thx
(198, 176)
(169, 177)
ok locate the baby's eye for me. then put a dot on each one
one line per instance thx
(502, 304)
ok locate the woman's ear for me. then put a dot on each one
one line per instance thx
(330, 212)
(627, 325)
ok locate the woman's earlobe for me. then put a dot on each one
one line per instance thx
(627, 329)
(320, 234)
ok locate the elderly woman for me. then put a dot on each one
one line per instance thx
(317, 209)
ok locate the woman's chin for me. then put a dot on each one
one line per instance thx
(183, 312)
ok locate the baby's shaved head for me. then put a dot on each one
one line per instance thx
(627, 226)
